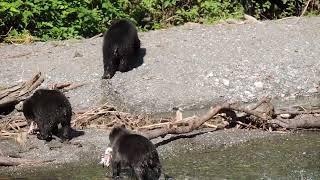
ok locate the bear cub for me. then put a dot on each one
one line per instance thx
(134, 151)
(120, 47)
(49, 108)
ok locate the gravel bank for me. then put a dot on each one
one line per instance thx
(185, 67)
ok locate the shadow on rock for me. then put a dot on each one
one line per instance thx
(182, 136)
(75, 133)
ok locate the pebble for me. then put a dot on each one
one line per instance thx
(258, 84)
(226, 82)
(286, 116)
(77, 54)
(209, 75)
(313, 90)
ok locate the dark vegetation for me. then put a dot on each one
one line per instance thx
(59, 19)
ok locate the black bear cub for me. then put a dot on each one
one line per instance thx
(120, 47)
(134, 151)
(48, 109)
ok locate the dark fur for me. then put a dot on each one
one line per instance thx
(135, 151)
(48, 108)
(120, 46)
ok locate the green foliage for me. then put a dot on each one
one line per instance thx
(62, 19)
(56, 19)
(274, 9)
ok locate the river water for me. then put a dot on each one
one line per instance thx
(294, 156)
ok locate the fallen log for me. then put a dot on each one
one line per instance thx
(188, 125)
(302, 121)
(265, 119)
(11, 96)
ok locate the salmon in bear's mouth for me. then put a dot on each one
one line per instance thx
(106, 157)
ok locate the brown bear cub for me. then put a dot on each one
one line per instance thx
(48, 109)
(134, 151)
(120, 47)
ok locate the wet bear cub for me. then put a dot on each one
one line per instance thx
(120, 47)
(135, 151)
(48, 109)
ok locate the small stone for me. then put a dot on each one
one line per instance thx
(226, 82)
(77, 54)
(258, 84)
(19, 106)
(313, 90)
(209, 75)
(286, 116)
(247, 92)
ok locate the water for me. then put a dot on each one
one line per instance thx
(279, 157)
(289, 157)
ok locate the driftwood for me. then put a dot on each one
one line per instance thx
(302, 121)
(260, 116)
(105, 117)
(13, 95)
(189, 124)
(9, 161)
(65, 86)
(266, 119)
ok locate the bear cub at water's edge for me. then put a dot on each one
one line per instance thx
(48, 109)
(134, 151)
(120, 47)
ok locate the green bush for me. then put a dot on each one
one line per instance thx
(63, 19)
(58, 19)
(274, 9)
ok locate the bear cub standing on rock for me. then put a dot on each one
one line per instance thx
(134, 151)
(120, 46)
(47, 108)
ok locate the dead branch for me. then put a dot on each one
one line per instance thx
(303, 11)
(261, 115)
(65, 86)
(59, 85)
(188, 125)
(106, 116)
(9, 161)
(259, 103)
(305, 8)
(303, 121)
(74, 86)
(294, 113)
(13, 95)
(96, 36)
(192, 125)
(91, 115)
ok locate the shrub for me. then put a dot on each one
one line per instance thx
(274, 9)
(62, 19)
